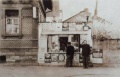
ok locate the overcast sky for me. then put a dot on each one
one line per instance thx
(107, 9)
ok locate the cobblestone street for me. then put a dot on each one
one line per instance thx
(45, 71)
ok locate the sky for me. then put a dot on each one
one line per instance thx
(107, 9)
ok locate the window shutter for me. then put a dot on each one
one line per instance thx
(3, 23)
(3, 13)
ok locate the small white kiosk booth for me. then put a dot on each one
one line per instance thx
(53, 38)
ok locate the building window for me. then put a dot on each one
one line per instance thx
(12, 25)
(16, 1)
(12, 22)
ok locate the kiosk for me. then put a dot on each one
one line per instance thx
(53, 38)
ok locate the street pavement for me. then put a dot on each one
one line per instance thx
(54, 71)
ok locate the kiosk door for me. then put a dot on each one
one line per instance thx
(63, 43)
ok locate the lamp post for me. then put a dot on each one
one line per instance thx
(85, 27)
(109, 40)
(87, 17)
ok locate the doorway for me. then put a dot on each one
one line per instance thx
(63, 43)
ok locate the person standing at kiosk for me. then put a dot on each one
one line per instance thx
(85, 53)
(70, 55)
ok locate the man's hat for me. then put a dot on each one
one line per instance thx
(69, 42)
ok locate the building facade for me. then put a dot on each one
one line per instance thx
(19, 30)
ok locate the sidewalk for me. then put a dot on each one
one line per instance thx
(45, 71)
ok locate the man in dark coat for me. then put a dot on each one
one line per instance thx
(70, 55)
(85, 53)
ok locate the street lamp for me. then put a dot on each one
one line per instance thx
(85, 27)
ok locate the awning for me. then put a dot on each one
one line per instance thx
(65, 32)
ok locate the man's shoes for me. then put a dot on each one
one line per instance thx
(85, 67)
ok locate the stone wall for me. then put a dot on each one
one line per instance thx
(111, 51)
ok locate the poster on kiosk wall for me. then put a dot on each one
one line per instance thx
(42, 49)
